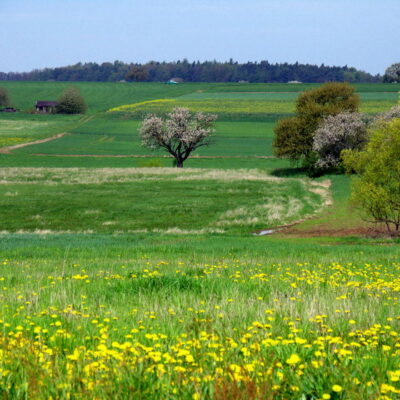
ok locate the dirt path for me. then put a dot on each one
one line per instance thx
(8, 149)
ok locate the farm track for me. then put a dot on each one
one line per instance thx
(8, 149)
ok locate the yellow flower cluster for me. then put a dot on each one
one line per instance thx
(141, 104)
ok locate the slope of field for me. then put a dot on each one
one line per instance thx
(132, 200)
(99, 96)
(104, 136)
(17, 128)
(245, 127)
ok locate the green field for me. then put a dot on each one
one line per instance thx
(121, 277)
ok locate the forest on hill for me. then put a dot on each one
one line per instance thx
(207, 71)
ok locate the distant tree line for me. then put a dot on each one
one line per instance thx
(207, 71)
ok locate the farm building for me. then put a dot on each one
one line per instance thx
(45, 106)
(174, 81)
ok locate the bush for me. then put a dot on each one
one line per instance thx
(71, 102)
(376, 190)
(294, 137)
(337, 133)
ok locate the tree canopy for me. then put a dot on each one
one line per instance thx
(376, 189)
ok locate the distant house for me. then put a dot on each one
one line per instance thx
(45, 106)
(295, 82)
(174, 81)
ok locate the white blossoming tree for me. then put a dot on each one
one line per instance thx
(337, 133)
(181, 133)
(392, 74)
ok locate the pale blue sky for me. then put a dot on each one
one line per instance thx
(40, 33)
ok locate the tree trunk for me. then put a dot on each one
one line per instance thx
(179, 164)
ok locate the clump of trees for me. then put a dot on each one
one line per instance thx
(181, 133)
(71, 102)
(4, 97)
(376, 189)
(294, 136)
(392, 74)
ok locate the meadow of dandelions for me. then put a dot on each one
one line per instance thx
(228, 330)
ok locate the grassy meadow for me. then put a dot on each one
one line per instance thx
(121, 277)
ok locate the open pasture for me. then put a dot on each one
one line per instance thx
(152, 200)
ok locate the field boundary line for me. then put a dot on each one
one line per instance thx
(143, 156)
(8, 149)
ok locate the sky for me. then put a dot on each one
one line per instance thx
(49, 33)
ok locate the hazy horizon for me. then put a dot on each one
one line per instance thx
(57, 33)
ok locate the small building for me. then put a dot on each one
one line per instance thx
(45, 106)
(296, 82)
(174, 81)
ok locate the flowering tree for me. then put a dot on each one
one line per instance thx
(392, 74)
(387, 116)
(336, 133)
(180, 134)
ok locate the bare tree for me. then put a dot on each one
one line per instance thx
(180, 134)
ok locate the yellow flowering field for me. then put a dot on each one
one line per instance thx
(231, 329)
(245, 106)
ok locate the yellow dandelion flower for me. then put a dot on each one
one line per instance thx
(293, 359)
(337, 388)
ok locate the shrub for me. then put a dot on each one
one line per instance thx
(71, 102)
